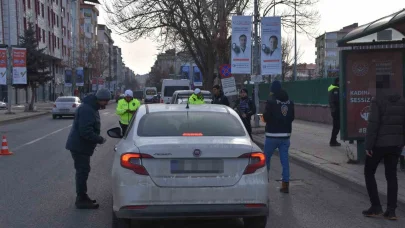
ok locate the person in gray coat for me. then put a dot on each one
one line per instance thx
(83, 139)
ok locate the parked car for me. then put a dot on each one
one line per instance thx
(156, 98)
(181, 96)
(178, 162)
(3, 105)
(65, 106)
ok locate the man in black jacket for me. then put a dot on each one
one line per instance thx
(334, 104)
(246, 109)
(218, 96)
(83, 139)
(279, 115)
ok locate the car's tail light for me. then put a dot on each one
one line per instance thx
(161, 100)
(74, 106)
(257, 160)
(192, 134)
(133, 161)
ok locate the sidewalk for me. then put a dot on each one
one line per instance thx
(43, 108)
(310, 148)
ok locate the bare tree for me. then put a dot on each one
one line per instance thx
(307, 16)
(192, 25)
(287, 55)
(99, 60)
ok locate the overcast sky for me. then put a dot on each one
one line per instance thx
(141, 55)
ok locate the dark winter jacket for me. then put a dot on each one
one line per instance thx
(386, 122)
(245, 106)
(333, 92)
(85, 133)
(279, 115)
(221, 99)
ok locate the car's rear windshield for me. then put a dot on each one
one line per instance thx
(169, 90)
(65, 99)
(185, 123)
(150, 92)
(182, 96)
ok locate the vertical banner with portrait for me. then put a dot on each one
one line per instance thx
(271, 59)
(19, 66)
(197, 77)
(3, 66)
(363, 71)
(241, 46)
(185, 72)
(79, 76)
(68, 77)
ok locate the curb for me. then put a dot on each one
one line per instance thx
(2, 122)
(335, 177)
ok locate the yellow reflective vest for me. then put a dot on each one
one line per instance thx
(123, 106)
(194, 99)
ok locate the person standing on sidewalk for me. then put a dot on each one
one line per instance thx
(334, 104)
(219, 96)
(83, 139)
(384, 140)
(279, 115)
(246, 109)
(126, 108)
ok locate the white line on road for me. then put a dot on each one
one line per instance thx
(106, 113)
(43, 137)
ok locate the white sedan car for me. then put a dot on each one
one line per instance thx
(195, 162)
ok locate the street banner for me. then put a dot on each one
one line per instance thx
(68, 78)
(79, 76)
(271, 59)
(241, 45)
(185, 72)
(3, 66)
(229, 86)
(19, 66)
(197, 77)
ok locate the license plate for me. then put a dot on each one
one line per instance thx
(197, 166)
(63, 110)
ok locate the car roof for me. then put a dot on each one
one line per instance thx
(182, 107)
(67, 97)
(191, 91)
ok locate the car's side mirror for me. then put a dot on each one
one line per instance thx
(115, 133)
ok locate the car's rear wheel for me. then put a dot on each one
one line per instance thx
(255, 222)
(120, 223)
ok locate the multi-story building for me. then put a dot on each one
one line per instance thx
(57, 24)
(118, 77)
(327, 52)
(105, 43)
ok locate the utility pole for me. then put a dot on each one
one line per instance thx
(295, 43)
(9, 62)
(74, 15)
(256, 60)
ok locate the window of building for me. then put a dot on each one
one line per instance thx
(63, 11)
(43, 35)
(331, 53)
(57, 21)
(58, 43)
(29, 4)
(24, 5)
(49, 40)
(49, 16)
(43, 10)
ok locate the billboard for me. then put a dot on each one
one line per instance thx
(79, 76)
(362, 69)
(19, 66)
(185, 72)
(197, 76)
(271, 58)
(3, 66)
(68, 77)
(241, 46)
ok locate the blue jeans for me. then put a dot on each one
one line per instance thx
(282, 144)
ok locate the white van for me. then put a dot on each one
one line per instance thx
(169, 86)
(149, 93)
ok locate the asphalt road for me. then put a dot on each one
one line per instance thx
(37, 187)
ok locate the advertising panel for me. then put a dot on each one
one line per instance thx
(362, 69)
(241, 45)
(68, 77)
(79, 76)
(185, 72)
(197, 77)
(271, 59)
(3, 66)
(19, 66)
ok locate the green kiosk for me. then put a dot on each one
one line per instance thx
(371, 52)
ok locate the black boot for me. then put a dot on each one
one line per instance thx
(88, 198)
(334, 144)
(390, 214)
(84, 202)
(373, 211)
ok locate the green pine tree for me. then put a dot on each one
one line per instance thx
(38, 63)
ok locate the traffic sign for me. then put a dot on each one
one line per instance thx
(225, 70)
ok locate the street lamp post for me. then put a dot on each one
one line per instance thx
(256, 60)
(295, 43)
(9, 62)
(74, 14)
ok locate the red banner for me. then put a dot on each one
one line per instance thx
(19, 57)
(362, 69)
(3, 58)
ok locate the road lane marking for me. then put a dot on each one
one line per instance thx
(43, 137)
